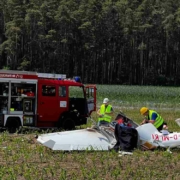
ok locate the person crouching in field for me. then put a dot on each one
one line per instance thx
(105, 113)
(153, 117)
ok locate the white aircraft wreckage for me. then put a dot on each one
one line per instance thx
(85, 139)
(151, 138)
(104, 138)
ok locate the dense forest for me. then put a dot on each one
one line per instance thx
(134, 42)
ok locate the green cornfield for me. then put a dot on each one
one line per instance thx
(23, 158)
(136, 96)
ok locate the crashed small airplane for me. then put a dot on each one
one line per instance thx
(95, 138)
(151, 138)
(103, 138)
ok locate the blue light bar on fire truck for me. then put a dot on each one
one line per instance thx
(51, 76)
(77, 79)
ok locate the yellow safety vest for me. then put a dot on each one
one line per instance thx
(159, 120)
(104, 110)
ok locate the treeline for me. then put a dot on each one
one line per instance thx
(103, 41)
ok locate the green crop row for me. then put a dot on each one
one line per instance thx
(136, 96)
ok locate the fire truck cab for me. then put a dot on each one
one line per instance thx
(44, 100)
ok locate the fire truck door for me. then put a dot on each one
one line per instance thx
(91, 98)
(47, 102)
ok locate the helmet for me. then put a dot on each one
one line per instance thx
(106, 100)
(143, 110)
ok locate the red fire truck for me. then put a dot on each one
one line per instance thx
(44, 100)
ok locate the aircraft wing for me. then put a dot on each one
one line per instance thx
(85, 139)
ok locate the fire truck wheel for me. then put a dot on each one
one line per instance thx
(12, 129)
(12, 125)
(68, 124)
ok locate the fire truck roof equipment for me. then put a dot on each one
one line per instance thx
(51, 76)
(14, 73)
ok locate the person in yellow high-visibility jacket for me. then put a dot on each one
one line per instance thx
(105, 113)
(153, 117)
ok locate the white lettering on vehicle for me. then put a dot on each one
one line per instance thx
(18, 76)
